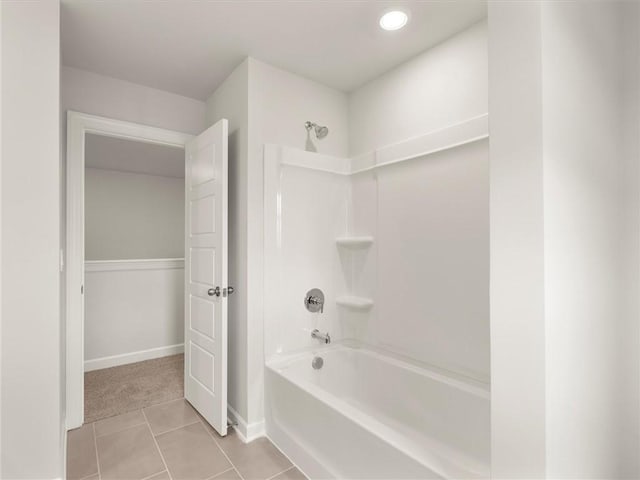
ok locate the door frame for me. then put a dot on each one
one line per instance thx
(78, 125)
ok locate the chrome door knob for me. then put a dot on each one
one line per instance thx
(214, 292)
(228, 291)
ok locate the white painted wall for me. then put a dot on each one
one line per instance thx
(592, 337)
(230, 101)
(264, 105)
(32, 423)
(133, 310)
(133, 216)
(517, 242)
(89, 92)
(279, 104)
(564, 239)
(445, 85)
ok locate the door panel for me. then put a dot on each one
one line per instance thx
(205, 382)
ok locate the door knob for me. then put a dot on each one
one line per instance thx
(214, 292)
(228, 291)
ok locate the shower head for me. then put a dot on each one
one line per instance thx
(320, 132)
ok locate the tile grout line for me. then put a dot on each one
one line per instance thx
(151, 476)
(201, 420)
(118, 431)
(280, 473)
(221, 473)
(166, 467)
(95, 446)
(174, 429)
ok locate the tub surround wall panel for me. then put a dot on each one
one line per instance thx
(402, 111)
(432, 247)
(306, 209)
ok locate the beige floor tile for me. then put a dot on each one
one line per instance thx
(161, 476)
(119, 423)
(257, 460)
(168, 416)
(292, 474)
(81, 453)
(191, 453)
(228, 475)
(129, 454)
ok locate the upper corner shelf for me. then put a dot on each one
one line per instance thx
(354, 242)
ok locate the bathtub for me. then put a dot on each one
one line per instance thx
(371, 415)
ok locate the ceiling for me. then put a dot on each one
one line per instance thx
(111, 153)
(190, 47)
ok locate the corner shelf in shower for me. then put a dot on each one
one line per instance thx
(354, 303)
(354, 242)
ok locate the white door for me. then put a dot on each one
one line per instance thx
(206, 288)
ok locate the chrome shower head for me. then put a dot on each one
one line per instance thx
(320, 132)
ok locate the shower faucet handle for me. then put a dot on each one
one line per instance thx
(314, 300)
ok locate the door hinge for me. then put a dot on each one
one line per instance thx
(81, 289)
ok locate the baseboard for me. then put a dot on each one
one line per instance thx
(247, 432)
(125, 358)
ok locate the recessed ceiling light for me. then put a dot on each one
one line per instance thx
(394, 20)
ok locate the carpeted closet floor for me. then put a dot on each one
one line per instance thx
(117, 390)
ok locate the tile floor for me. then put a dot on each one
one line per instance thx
(170, 441)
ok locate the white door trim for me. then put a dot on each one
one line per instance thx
(78, 124)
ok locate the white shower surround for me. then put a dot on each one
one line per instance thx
(335, 248)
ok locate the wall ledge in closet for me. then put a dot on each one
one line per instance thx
(133, 264)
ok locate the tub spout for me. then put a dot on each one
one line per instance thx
(324, 337)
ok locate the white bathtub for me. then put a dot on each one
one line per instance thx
(368, 415)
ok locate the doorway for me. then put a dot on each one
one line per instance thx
(134, 275)
(129, 214)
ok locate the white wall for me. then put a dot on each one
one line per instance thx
(445, 85)
(283, 102)
(133, 216)
(592, 338)
(264, 105)
(89, 92)
(516, 246)
(564, 239)
(133, 311)
(132, 307)
(230, 101)
(32, 423)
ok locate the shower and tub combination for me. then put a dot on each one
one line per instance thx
(376, 307)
